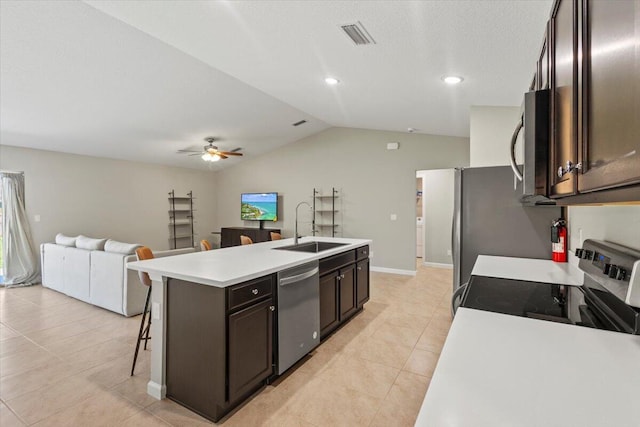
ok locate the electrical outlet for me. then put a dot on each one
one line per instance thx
(394, 217)
(448, 251)
(370, 254)
(36, 218)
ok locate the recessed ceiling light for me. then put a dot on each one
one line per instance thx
(331, 81)
(452, 80)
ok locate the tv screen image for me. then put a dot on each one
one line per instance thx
(259, 206)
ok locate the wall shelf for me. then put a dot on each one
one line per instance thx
(181, 220)
(324, 206)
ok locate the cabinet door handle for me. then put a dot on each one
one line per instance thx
(342, 276)
(254, 291)
(338, 277)
(359, 268)
(570, 167)
(272, 308)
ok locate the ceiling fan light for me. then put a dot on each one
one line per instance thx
(207, 157)
(215, 158)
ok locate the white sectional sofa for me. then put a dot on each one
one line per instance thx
(95, 271)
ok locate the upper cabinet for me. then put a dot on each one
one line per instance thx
(610, 94)
(593, 50)
(563, 153)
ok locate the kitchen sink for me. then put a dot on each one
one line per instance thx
(312, 247)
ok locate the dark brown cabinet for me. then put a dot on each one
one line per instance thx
(230, 236)
(329, 319)
(594, 151)
(219, 343)
(611, 95)
(337, 298)
(564, 100)
(347, 288)
(362, 282)
(250, 348)
(344, 287)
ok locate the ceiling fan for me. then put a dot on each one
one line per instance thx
(210, 153)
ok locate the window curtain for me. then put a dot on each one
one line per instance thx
(20, 262)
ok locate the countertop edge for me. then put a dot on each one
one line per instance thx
(305, 257)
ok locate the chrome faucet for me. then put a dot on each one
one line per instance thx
(295, 231)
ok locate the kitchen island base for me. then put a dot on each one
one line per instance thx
(216, 346)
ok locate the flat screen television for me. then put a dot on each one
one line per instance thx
(259, 206)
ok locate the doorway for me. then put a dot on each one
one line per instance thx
(419, 214)
(434, 217)
(1, 251)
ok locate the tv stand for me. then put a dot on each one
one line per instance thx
(230, 236)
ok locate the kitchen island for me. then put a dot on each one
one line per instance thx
(213, 314)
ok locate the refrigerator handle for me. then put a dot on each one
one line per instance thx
(457, 295)
(514, 166)
(455, 228)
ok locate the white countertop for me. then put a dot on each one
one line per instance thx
(499, 370)
(534, 270)
(228, 266)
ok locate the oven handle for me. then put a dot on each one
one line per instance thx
(514, 138)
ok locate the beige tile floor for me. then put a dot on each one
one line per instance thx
(66, 363)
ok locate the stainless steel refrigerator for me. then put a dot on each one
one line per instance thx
(489, 219)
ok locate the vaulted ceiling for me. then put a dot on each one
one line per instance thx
(139, 80)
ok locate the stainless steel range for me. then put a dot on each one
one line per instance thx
(599, 303)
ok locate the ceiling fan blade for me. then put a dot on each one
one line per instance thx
(187, 151)
(230, 153)
(195, 154)
(222, 156)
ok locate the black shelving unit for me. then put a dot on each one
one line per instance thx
(324, 213)
(181, 232)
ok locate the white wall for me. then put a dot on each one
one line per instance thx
(618, 224)
(374, 182)
(490, 131)
(438, 194)
(100, 197)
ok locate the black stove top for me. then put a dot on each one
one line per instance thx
(598, 303)
(515, 297)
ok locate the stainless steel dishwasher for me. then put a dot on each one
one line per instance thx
(298, 313)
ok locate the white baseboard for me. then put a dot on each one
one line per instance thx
(438, 265)
(156, 390)
(393, 271)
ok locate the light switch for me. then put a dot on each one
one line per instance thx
(36, 218)
(155, 311)
(394, 217)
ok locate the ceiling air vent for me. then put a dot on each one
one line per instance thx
(358, 34)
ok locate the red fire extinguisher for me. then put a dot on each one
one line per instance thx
(559, 240)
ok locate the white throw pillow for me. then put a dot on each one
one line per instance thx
(63, 240)
(84, 242)
(120, 247)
